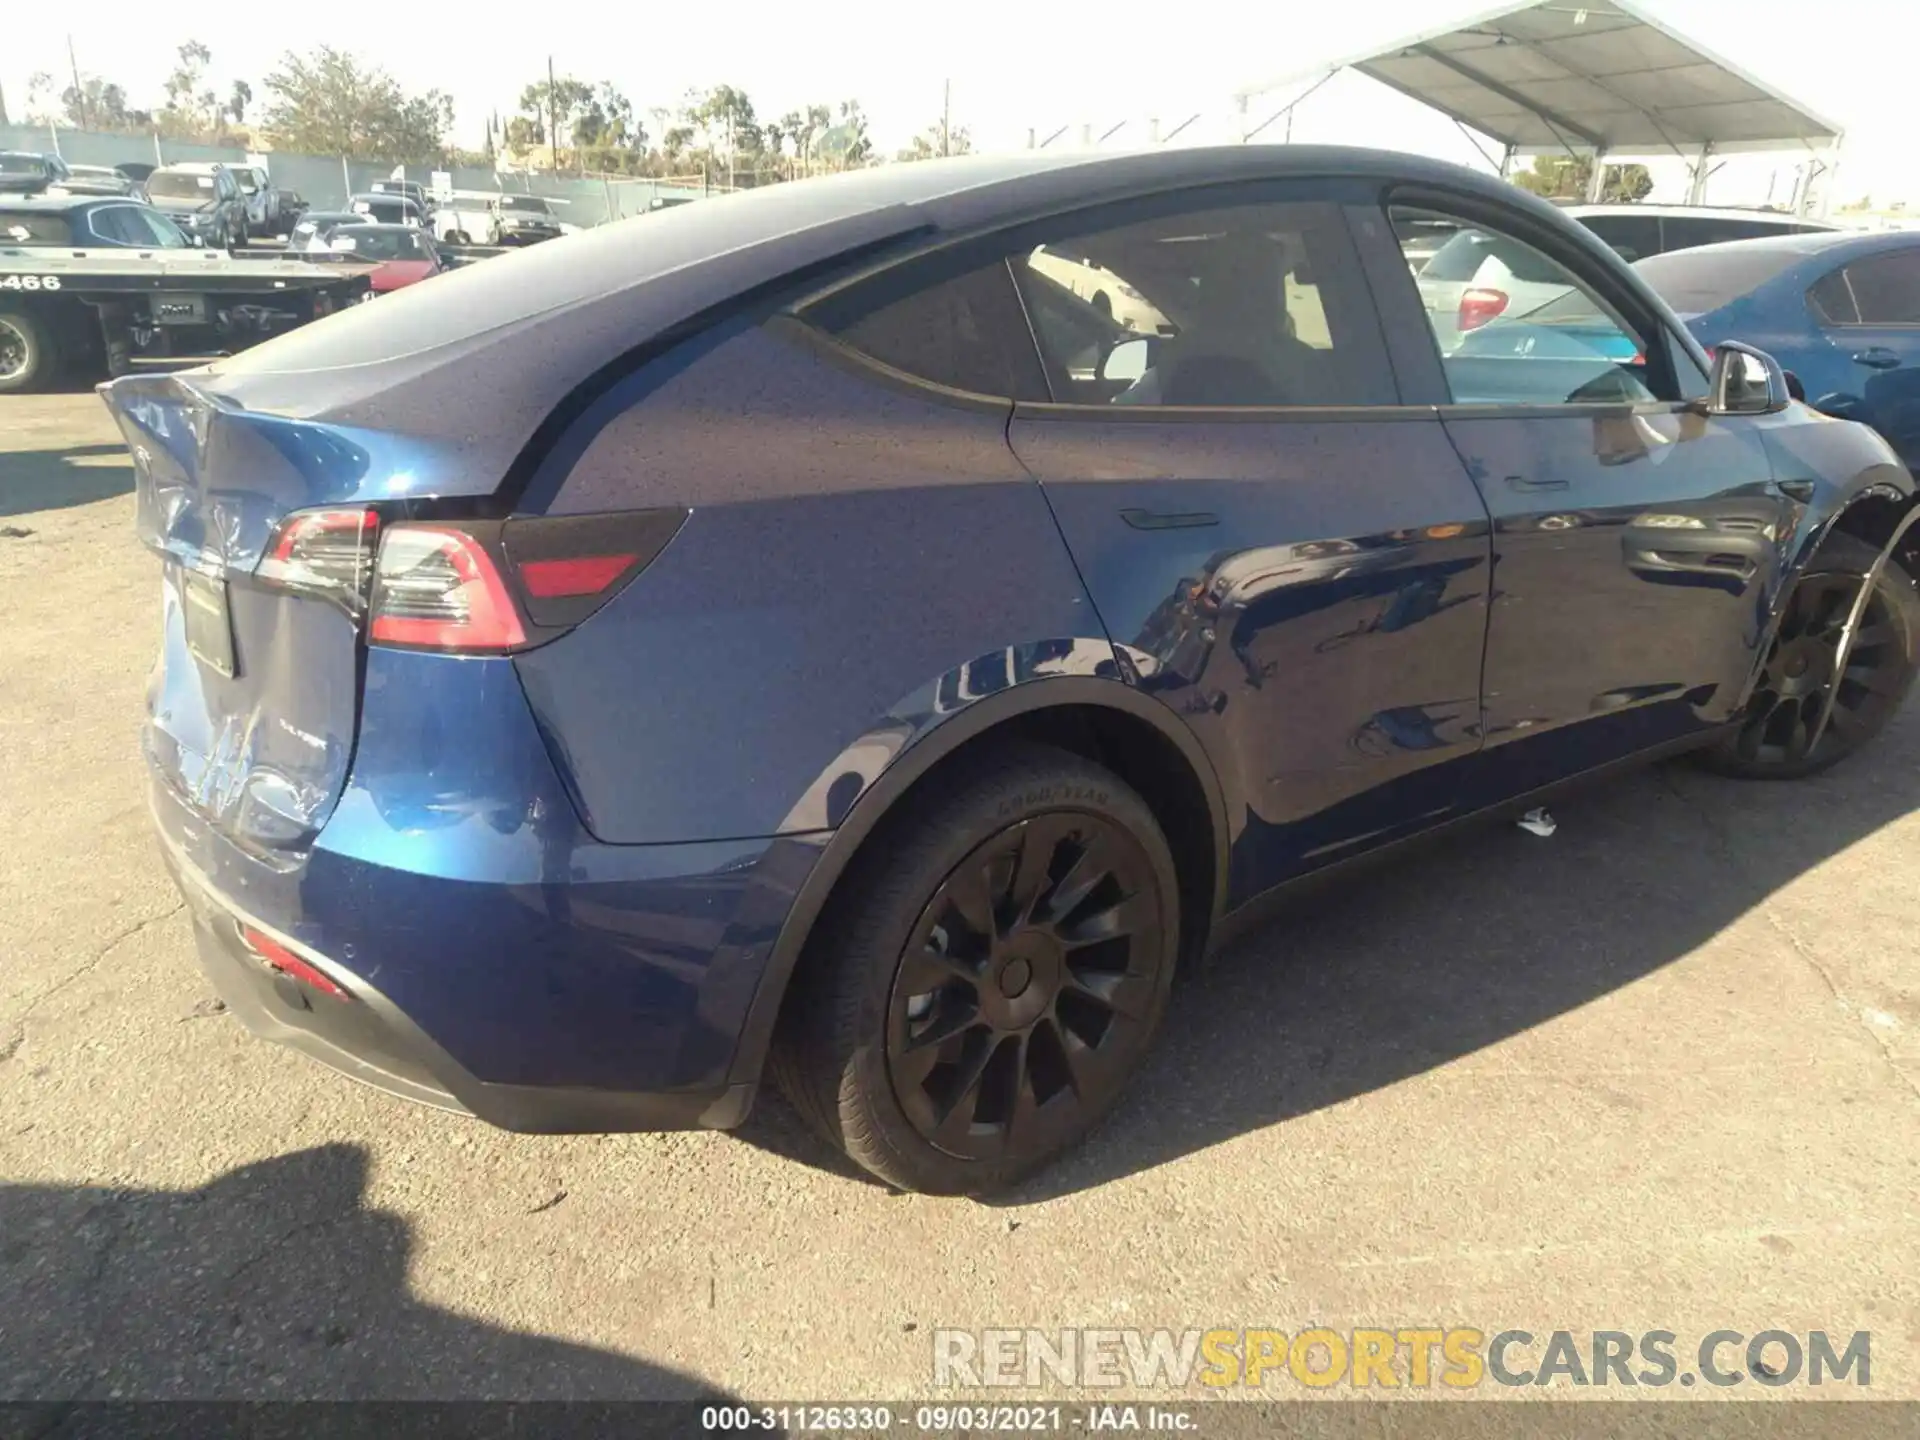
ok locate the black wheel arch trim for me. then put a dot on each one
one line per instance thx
(913, 763)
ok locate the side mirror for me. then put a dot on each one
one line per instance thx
(1746, 381)
(1127, 361)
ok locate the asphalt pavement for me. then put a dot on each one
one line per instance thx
(1660, 1070)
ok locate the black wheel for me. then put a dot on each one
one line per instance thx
(1103, 304)
(28, 357)
(1780, 736)
(989, 976)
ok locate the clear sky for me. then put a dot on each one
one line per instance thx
(1012, 66)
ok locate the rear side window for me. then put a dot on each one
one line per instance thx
(1886, 288)
(1259, 304)
(966, 333)
(1630, 236)
(1832, 300)
(111, 223)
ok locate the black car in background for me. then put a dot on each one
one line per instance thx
(87, 222)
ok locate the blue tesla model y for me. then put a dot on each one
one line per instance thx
(874, 631)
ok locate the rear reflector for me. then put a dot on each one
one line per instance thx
(435, 587)
(287, 963)
(1478, 306)
(326, 552)
(582, 575)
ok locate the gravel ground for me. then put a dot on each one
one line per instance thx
(1659, 1071)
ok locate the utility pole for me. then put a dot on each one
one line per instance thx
(553, 123)
(3, 105)
(946, 114)
(79, 95)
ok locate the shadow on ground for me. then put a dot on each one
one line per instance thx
(275, 1281)
(36, 480)
(1442, 953)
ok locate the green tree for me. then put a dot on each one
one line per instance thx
(327, 103)
(847, 146)
(938, 139)
(1566, 177)
(96, 104)
(193, 110)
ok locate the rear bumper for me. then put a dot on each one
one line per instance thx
(368, 1038)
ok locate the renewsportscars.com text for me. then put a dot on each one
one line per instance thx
(1415, 1357)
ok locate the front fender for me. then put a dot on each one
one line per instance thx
(1840, 474)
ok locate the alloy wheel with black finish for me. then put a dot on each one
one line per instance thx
(27, 355)
(988, 976)
(1780, 736)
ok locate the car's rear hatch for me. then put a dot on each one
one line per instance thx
(440, 391)
(253, 704)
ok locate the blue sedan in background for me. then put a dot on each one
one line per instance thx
(1841, 311)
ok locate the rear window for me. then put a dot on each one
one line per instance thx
(1696, 281)
(21, 227)
(1463, 257)
(176, 185)
(1632, 237)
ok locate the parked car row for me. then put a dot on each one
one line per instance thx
(218, 204)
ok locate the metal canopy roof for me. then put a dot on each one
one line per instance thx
(1588, 75)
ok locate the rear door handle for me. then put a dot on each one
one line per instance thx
(1169, 520)
(1528, 482)
(1877, 357)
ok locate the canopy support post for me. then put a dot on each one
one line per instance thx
(1597, 180)
(1697, 189)
(1506, 160)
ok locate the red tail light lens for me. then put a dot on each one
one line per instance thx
(435, 587)
(325, 552)
(1478, 306)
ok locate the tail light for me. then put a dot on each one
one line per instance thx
(487, 588)
(324, 552)
(436, 587)
(1478, 306)
(473, 587)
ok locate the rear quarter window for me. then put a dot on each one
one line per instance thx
(966, 333)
